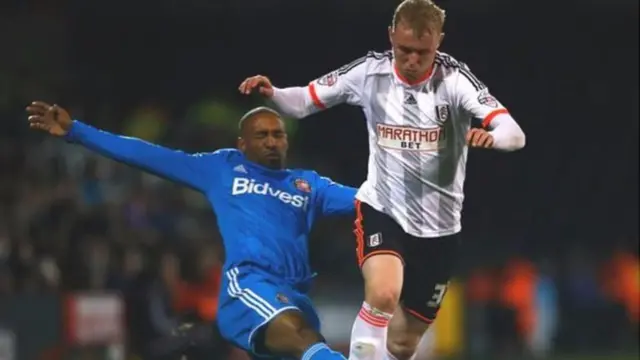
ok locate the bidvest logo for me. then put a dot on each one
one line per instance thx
(243, 186)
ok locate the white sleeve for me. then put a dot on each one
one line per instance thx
(472, 97)
(343, 85)
(507, 134)
(293, 101)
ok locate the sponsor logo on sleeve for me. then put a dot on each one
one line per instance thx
(487, 99)
(329, 80)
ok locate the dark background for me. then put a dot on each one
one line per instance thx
(168, 71)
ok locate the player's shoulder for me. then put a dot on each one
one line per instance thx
(379, 57)
(223, 155)
(447, 61)
(306, 174)
(227, 152)
(373, 62)
(451, 69)
(312, 177)
(379, 63)
(449, 65)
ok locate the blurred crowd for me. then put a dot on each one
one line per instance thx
(540, 308)
(73, 221)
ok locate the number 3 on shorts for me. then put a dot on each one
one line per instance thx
(438, 294)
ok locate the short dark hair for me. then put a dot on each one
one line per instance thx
(419, 15)
(256, 111)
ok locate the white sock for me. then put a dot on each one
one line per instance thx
(369, 334)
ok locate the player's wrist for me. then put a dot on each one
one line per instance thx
(71, 130)
(275, 92)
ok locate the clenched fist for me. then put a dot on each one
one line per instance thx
(480, 138)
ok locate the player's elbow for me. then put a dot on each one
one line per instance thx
(514, 142)
(516, 137)
(301, 113)
(519, 140)
(509, 137)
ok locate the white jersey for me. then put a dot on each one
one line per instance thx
(417, 132)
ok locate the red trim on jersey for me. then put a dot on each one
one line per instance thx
(423, 78)
(358, 231)
(487, 120)
(315, 97)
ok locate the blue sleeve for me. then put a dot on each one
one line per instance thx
(193, 170)
(334, 198)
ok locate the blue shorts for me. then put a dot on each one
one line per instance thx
(250, 298)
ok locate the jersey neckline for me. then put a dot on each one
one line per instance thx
(261, 168)
(423, 79)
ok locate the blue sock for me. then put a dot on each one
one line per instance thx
(320, 351)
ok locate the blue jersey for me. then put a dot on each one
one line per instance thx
(264, 215)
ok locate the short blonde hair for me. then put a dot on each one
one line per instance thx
(419, 15)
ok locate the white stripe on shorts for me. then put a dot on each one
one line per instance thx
(247, 296)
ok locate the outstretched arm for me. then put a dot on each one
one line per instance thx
(343, 85)
(334, 198)
(193, 170)
(188, 169)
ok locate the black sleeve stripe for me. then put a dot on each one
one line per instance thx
(477, 84)
(371, 54)
(350, 66)
(462, 68)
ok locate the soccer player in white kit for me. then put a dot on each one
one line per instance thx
(419, 104)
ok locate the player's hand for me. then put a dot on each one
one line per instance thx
(52, 119)
(480, 138)
(259, 83)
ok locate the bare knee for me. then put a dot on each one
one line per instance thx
(289, 335)
(382, 297)
(383, 275)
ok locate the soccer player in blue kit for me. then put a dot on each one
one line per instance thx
(264, 211)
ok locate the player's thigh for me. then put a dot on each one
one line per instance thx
(289, 334)
(379, 252)
(305, 305)
(383, 278)
(292, 332)
(429, 265)
(249, 301)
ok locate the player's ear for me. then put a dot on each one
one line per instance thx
(241, 144)
(390, 30)
(441, 39)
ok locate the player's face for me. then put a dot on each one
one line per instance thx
(264, 141)
(414, 55)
